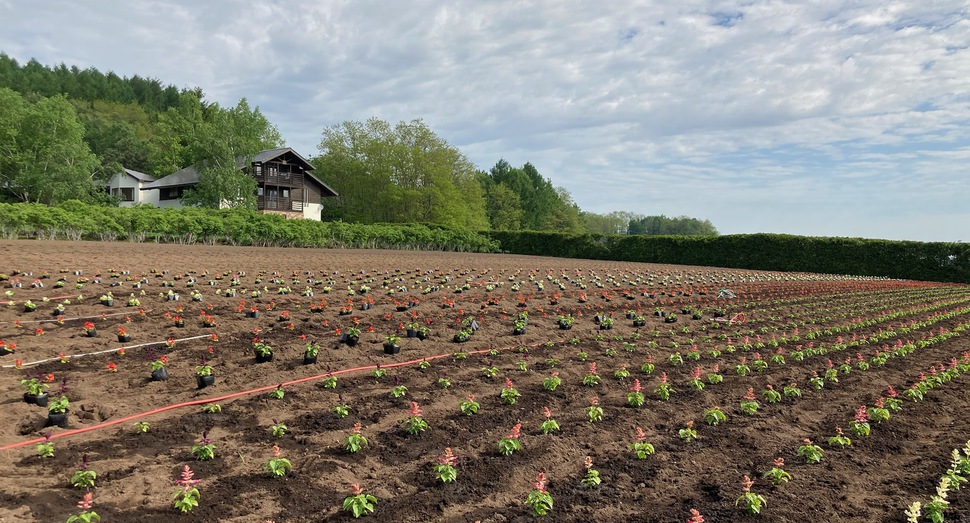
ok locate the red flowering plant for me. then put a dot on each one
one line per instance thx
(777, 473)
(751, 502)
(592, 476)
(640, 446)
(664, 390)
(548, 425)
(509, 394)
(358, 503)
(591, 378)
(749, 405)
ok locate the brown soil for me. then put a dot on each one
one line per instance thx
(873, 480)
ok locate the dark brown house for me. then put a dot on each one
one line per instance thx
(284, 183)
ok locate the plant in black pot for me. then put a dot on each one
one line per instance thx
(423, 333)
(519, 327)
(412, 329)
(392, 344)
(57, 412)
(310, 353)
(157, 366)
(90, 330)
(262, 350)
(203, 374)
(566, 322)
(352, 336)
(35, 391)
(123, 336)
(29, 306)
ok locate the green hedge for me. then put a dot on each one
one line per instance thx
(944, 262)
(75, 220)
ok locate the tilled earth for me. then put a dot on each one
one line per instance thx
(874, 479)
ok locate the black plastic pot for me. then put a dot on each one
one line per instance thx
(37, 399)
(264, 358)
(309, 360)
(57, 419)
(205, 381)
(160, 374)
(391, 348)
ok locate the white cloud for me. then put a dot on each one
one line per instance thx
(828, 117)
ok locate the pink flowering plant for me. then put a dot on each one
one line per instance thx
(415, 424)
(714, 416)
(635, 397)
(277, 466)
(359, 503)
(591, 378)
(640, 447)
(509, 394)
(548, 425)
(187, 495)
(592, 476)
(355, 440)
(695, 379)
(860, 425)
(594, 412)
(749, 405)
(510, 443)
(469, 406)
(777, 474)
(552, 382)
(539, 500)
(840, 439)
(86, 515)
(445, 470)
(751, 502)
(664, 390)
(892, 401)
(879, 413)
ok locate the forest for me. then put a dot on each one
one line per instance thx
(64, 131)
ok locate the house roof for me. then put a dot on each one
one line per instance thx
(190, 176)
(141, 177)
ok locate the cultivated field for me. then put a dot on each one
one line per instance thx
(840, 342)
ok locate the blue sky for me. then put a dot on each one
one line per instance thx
(818, 118)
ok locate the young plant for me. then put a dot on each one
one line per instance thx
(141, 427)
(714, 377)
(204, 450)
(552, 382)
(358, 503)
(648, 367)
(187, 495)
(816, 381)
(664, 390)
(635, 397)
(714, 416)
(892, 401)
(212, 408)
(87, 515)
(695, 379)
(341, 410)
(792, 391)
(355, 440)
(548, 425)
(489, 372)
(640, 446)
(45, 449)
(770, 394)
(742, 368)
(330, 382)
(751, 502)
(510, 443)
(594, 412)
(749, 405)
(415, 424)
(688, 433)
(399, 391)
(277, 466)
(839, 440)
(469, 406)
(592, 477)
(445, 470)
(509, 395)
(278, 392)
(83, 477)
(777, 472)
(591, 378)
(810, 451)
(860, 425)
(278, 429)
(539, 500)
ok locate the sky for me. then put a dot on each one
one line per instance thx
(818, 118)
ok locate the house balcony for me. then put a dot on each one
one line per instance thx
(269, 203)
(280, 178)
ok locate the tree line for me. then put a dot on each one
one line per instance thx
(65, 131)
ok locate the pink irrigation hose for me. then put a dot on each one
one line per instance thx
(240, 393)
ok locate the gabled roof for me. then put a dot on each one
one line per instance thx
(190, 176)
(141, 177)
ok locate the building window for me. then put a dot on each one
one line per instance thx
(125, 194)
(170, 193)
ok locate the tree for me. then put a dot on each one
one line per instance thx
(404, 173)
(43, 157)
(662, 225)
(615, 222)
(218, 142)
